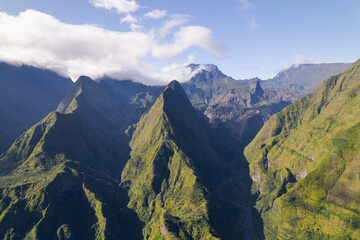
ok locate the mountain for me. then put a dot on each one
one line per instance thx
(164, 171)
(121, 160)
(27, 94)
(209, 86)
(239, 106)
(299, 80)
(64, 178)
(113, 107)
(60, 179)
(176, 175)
(305, 164)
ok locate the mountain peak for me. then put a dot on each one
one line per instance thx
(174, 94)
(206, 67)
(176, 158)
(174, 85)
(83, 79)
(255, 88)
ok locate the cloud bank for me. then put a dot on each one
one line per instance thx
(40, 40)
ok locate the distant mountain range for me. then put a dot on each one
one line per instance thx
(242, 106)
(122, 160)
(297, 81)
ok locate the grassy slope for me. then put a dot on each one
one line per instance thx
(305, 164)
(61, 177)
(59, 182)
(166, 189)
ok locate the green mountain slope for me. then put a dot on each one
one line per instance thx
(27, 94)
(60, 179)
(305, 164)
(180, 176)
(170, 166)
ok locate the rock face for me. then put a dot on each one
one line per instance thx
(305, 164)
(231, 104)
(27, 95)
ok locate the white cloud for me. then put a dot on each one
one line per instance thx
(175, 21)
(120, 6)
(128, 19)
(187, 37)
(182, 72)
(253, 24)
(299, 59)
(179, 72)
(156, 14)
(136, 27)
(245, 4)
(41, 40)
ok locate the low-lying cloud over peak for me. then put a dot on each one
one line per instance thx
(40, 40)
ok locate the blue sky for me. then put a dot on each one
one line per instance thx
(244, 38)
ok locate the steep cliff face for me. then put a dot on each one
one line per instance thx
(304, 162)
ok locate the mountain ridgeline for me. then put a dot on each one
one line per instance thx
(62, 176)
(241, 107)
(70, 166)
(305, 164)
(122, 160)
(299, 80)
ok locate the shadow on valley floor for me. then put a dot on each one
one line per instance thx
(233, 192)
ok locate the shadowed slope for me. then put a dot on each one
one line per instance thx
(27, 94)
(61, 177)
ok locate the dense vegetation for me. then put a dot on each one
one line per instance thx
(165, 169)
(61, 178)
(121, 160)
(305, 164)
